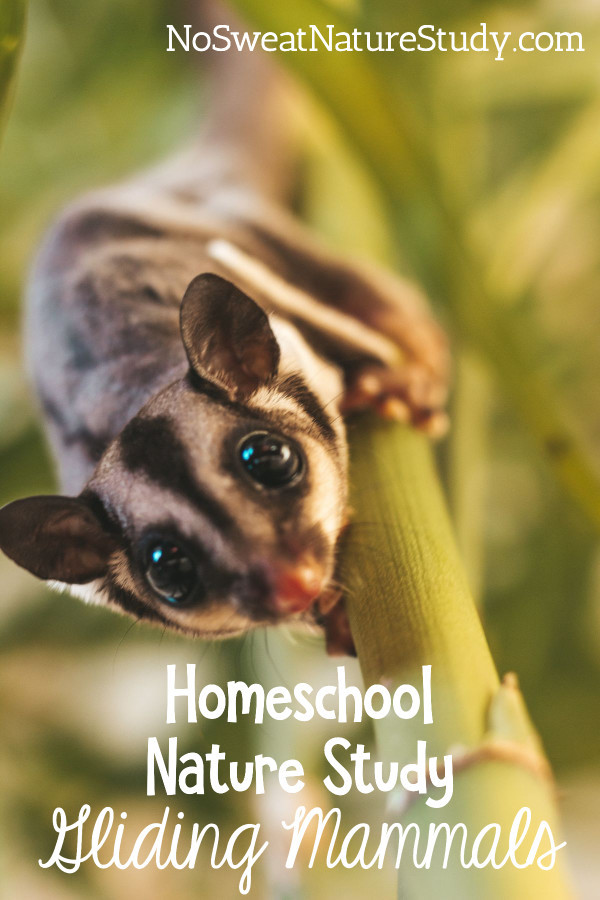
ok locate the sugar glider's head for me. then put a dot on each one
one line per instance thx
(219, 505)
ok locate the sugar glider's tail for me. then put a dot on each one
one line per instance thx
(244, 142)
(248, 109)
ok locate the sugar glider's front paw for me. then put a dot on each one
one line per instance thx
(334, 620)
(412, 393)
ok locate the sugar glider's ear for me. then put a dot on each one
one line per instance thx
(227, 336)
(56, 538)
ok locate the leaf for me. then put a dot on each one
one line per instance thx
(12, 26)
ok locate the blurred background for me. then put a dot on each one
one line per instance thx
(505, 154)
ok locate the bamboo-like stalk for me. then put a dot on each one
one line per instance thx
(409, 605)
(467, 473)
(12, 26)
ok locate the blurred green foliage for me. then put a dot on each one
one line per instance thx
(12, 24)
(504, 156)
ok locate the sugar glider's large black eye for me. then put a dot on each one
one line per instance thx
(171, 573)
(271, 460)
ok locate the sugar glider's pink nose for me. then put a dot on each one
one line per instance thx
(297, 586)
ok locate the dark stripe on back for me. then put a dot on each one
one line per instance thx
(81, 355)
(152, 447)
(328, 279)
(93, 444)
(296, 388)
(101, 224)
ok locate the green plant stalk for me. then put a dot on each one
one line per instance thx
(12, 27)
(467, 473)
(385, 132)
(409, 606)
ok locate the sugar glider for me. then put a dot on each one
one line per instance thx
(194, 350)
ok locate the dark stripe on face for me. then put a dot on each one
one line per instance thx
(152, 447)
(293, 386)
(129, 603)
(104, 514)
(214, 392)
(208, 388)
(296, 388)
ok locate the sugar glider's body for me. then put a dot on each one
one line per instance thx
(193, 349)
